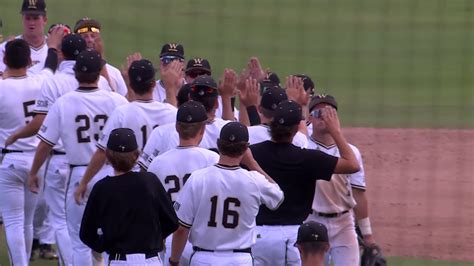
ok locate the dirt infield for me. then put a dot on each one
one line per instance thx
(421, 190)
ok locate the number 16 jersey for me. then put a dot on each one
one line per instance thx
(77, 118)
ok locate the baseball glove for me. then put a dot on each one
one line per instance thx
(372, 256)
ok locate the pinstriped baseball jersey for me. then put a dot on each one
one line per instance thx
(171, 171)
(17, 100)
(220, 216)
(261, 133)
(77, 118)
(38, 57)
(140, 116)
(336, 195)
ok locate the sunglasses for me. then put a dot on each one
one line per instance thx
(317, 113)
(166, 60)
(87, 29)
(195, 74)
(202, 90)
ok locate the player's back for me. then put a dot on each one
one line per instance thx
(261, 133)
(17, 100)
(225, 202)
(211, 134)
(38, 57)
(83, 113)
(173, 173)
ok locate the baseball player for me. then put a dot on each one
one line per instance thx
(171, 66)
(169, 168)
(335, 201)
(90, 30)
(136, 199)
(34, 21)
(203, 90)
(77, 119)
(312, 243)
(18, 93)
(213, 211)
(141, 115)
(295, 170)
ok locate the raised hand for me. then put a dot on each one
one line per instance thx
(250, 96)
(295, 90)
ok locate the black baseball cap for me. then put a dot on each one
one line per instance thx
(288, 113)
(87, 25)
(191, 112)
(272, 97)
(122, 140)
(271, 80)
(322, 98)
(234, 132)
(89, 61)
(33, 7)
(200, 64)
(141, 72)
(308, 83)
(312, 232)
(203, 86)
(172, 49)
(72, 45)
(183, 94)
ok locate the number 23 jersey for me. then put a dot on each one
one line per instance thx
(78, 118)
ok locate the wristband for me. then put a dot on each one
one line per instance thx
(364, 226)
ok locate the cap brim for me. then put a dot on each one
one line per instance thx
(198, 68)
(33, 12)
(172, 54)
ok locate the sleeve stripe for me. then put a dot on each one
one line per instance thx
(100, 146)
(40, 112)
(45, 140)
(142, 165)
(184, 224)
(358, 187)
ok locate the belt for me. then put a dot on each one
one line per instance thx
(123, 256)
(4, 151)
(244, 250)
(330, 215)
(77, 165)
(55, 152)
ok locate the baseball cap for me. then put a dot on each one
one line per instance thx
(36, 7)
(288, 113)
(87, 25)
(89, 61)
(122, 140)
(308, 83)
(191, 112)
(200, 64)
(141, 72)
(72, 45)
(272, 97)
(271, 80)
(322, 98)
(234, 132)
(312, 232)
(203, 86)
(67, 29)
(183, 94)
(172, 49)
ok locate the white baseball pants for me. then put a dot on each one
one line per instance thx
(275, 245)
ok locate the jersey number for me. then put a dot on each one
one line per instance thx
(28, 113)
(145, 134)
(85, 121)
(230, 218)
(175, 180)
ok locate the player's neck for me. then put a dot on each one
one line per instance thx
(144, 97)
(88, 85)
(313, 260)
(323, 138)
(15, 73)
(264, 120)
(117, 173)
(34, 40)
(193, 142)
(229, 161)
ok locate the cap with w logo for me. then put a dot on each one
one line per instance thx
(172, 49)
(198, 64)
(33, 7)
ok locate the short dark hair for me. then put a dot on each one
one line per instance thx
(122, 161)
(142, 88)
(281, 133)
(231, 149)
(86, 77)
(209, 102)
(17, 54)
(266, 112)
(313, 248)
(189, 130)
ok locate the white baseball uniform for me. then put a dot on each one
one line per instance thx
(117, 82)
(38, 57)
(17, 203)
(173, 174)
(261, 133)
(77, 118)
(220, 217)
(165, 138)
(335, 197)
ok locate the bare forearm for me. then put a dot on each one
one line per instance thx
(31, 128)
(96, 163)
(179, 242)
(346, 152)
(243, 115)
(227, 113)
(361, 210)
(42, 152)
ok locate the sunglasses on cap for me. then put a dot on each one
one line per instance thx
(166, 60)
(88, 29)
(195, 74)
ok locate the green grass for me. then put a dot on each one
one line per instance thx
(391, 63)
